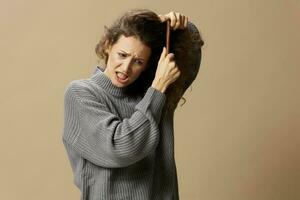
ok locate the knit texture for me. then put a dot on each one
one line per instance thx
(120, 147)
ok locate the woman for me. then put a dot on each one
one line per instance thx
(117, 145)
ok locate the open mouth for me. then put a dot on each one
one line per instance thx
(122, 78)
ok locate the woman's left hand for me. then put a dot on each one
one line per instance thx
(178, 21)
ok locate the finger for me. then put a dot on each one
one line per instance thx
(173, 18)
(177, 24)
(185, 22)
(178, 73)
(170, 56)
(162, 18)
(182, 23)
(162, 55)
(172, 65)
(175, 74)
(176, 70)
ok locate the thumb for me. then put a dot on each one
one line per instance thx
(162, 18)
(162, 55)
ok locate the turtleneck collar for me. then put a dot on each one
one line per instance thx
(104, 81)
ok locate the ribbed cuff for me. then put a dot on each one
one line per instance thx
(153, 101)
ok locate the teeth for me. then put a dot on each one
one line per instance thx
(121, 75)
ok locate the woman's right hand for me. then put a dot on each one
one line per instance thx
(167, 71)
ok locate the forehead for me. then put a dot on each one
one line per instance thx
(132, 45)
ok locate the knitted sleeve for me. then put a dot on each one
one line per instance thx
(105, 139)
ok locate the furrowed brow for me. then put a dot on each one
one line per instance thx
(130, 54)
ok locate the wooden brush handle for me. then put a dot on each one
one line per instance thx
(168, 36)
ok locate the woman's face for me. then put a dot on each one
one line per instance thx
(127, 58)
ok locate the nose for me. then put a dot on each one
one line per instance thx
(126, 66)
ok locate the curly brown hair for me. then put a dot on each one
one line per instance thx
(147, 27)
(186, 44)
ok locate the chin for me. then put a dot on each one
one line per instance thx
(120, 85)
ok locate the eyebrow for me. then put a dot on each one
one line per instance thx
(130, 54)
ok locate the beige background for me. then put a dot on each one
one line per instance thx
(237, 136)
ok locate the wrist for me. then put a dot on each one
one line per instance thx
(159, 86)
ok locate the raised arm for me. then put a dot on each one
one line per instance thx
(105, 139)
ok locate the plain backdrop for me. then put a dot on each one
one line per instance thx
(236, 137)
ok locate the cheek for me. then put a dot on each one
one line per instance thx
(113, 60)
(137, 72)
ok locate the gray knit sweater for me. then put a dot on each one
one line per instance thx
(120, 147)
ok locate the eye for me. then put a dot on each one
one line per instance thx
(122, 55)
(139, 62)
